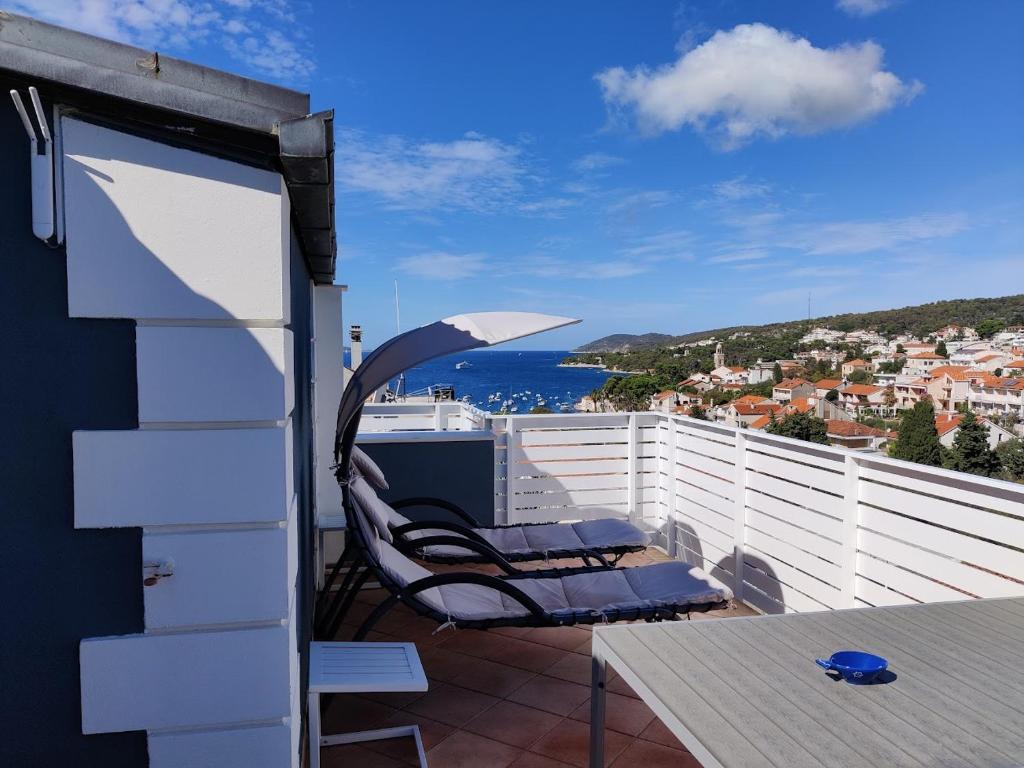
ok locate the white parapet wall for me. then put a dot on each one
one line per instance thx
(790, 525)
(195, 249)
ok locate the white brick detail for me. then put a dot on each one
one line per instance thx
(214, 374)
(155, 231)
(179, 477)
(188, 680)
(261, 747)
(235, 576)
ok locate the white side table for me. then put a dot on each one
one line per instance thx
(362, 668)
(326, 524)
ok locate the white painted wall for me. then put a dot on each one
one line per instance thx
(253, 747)
(181, 477)
(155, 231)
(328, 384)
(232, 576)
(196, 249)
(190, 679)
(214, 374)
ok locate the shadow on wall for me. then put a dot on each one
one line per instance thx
(67, 374)
(766, 595)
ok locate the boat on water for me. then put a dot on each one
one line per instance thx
(462, 364)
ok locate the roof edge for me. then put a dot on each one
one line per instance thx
(61, 55)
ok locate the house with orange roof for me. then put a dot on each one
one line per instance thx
(851, 434)
(922, 363)
(752, 399)
(909, 391)
(699, 381)
(991, 395)
(948, 386)
(855, 365)
(864, 398)
(948, 425)
(824, 386)
(730, 374)
(800, 405)
(664, 401)
(737, 414)
(1014, 368)
(787, 389)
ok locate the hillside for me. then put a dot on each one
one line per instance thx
(919, 320)
(623, 342)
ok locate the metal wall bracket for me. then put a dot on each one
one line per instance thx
(43, 216)
(154, 571)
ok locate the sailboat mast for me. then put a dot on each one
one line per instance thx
(400, 387)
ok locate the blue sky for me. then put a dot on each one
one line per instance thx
(655, 166)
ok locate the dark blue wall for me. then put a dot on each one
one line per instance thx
(302, 434)
(461, 472)
(59, 585)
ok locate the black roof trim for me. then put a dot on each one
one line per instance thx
(112, 71)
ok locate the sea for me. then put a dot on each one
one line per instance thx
(526, 378)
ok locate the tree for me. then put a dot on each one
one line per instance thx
(802, 426)
(940, 349)
(698, 412)
(918, 440)
(988, 328)
(900, 350)
(1011, 456)
(537, 409)
(970, 449)
(777, 373)
(860, 377)
(890, 398)
(832, 395)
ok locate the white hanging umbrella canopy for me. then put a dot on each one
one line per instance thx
(444, 337)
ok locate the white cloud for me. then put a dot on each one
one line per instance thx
(548, 207)
(439, 265)
(850, 237)
(755, 80)
(595, 161)
(862, 7)
(637, 202)
(739, 188)
(474, 172)
(662, 246)
(752, 254)
(549, 267)
(264, 35)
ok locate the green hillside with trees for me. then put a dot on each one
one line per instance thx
(919, 320)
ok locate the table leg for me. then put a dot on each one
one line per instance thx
(313, 714)
(598, 670)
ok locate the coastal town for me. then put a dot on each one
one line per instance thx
(850, 388)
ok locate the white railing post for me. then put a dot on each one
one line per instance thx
(739, 513)
(438, 418)
(631, 467)
(509, 485)
(500, 483)
(848, 563)
(670, 486)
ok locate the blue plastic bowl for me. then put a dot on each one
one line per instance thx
(855, 667)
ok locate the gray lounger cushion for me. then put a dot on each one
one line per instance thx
(549, 537)
(368, 468)
(647, 586)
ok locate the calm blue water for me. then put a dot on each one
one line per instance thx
(505, 372)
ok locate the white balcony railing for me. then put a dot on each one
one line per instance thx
(789, 525)
(413, 417)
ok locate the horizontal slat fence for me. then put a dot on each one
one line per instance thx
(420, 417)
(789, 525)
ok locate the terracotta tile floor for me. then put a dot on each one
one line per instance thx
(505, 698)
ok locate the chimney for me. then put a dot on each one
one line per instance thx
(356, 334)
